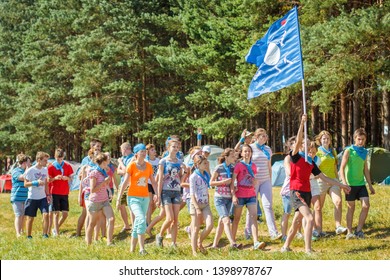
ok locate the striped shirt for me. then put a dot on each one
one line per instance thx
(18, 191)
(262, 163)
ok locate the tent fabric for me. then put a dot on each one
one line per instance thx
(216, 151)
(386, 181)
(278, 173)
(6, 183)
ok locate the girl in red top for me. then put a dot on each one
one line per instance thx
(300, 193)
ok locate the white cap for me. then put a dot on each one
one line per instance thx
(206, 149)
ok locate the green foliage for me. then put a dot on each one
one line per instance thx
(70, 70)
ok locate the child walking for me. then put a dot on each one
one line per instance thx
(200, 206)
(300, 193)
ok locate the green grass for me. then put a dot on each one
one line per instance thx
(375, 246)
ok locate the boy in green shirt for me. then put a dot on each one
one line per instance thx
(353, 169)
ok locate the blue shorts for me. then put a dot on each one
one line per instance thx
(32, 205)
(223, 205)
(286, 204)
(246, 201)
(18, 207)
(170, 197)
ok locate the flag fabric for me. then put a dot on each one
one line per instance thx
(278, 56)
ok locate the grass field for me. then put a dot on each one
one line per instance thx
(375, 246)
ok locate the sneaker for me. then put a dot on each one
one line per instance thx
(29, 237)
(350, 236)
(259, 245)
(285, 249)
(259, 219)
(45, 235)
(276, 236)
(235, 247)
(323, 234)
(159, 240)
(314, 238)
(359, 234)
(53, 232)
(284, 238)
(341, 230)
(173, 246)
(316, 233)
(299, 235)
(168, 236)
(247, 234)
(143, 252)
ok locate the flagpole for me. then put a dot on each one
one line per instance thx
(304, 112)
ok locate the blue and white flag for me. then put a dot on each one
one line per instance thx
(278, 55)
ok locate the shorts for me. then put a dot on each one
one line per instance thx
(246, 201)
(32, 205)
(60, 202)
(96, 206)
(124, 197)
(223, 205)
(170, 197)
(204, 208)
(150, 189)
(326, 188)
(18, 207)
(356, 193)
(299, 199)
(286, 204)
(314, 187)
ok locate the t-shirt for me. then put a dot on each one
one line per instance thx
(171, 176)
(300, 173)
(245, 181)
(328, 163)
(102, 194)
(354, 170)
(34, 174)
(60, 187)
(139, 179)
(154, 164)
(223, 190)
(262, 162)
(18, 191)
(199, 188)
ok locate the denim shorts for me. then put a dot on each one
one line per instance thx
(18, 207)
(170, 197)
(286, 204)
(246, 201)
(223, 205)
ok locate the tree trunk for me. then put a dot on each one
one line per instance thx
(386, 119)
(356, 106)
(344, 118)
(374, 119)
(314, 120)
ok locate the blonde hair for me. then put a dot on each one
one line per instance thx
(319, 136)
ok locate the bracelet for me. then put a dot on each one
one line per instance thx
(242, 140)
(199, 137)
(35, 183)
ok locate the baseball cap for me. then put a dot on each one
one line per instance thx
(206, 149)
(248, 133)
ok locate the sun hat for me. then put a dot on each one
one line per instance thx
(206, 149)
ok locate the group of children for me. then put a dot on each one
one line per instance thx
(148, 183)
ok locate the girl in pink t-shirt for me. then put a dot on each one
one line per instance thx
(244, 193)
